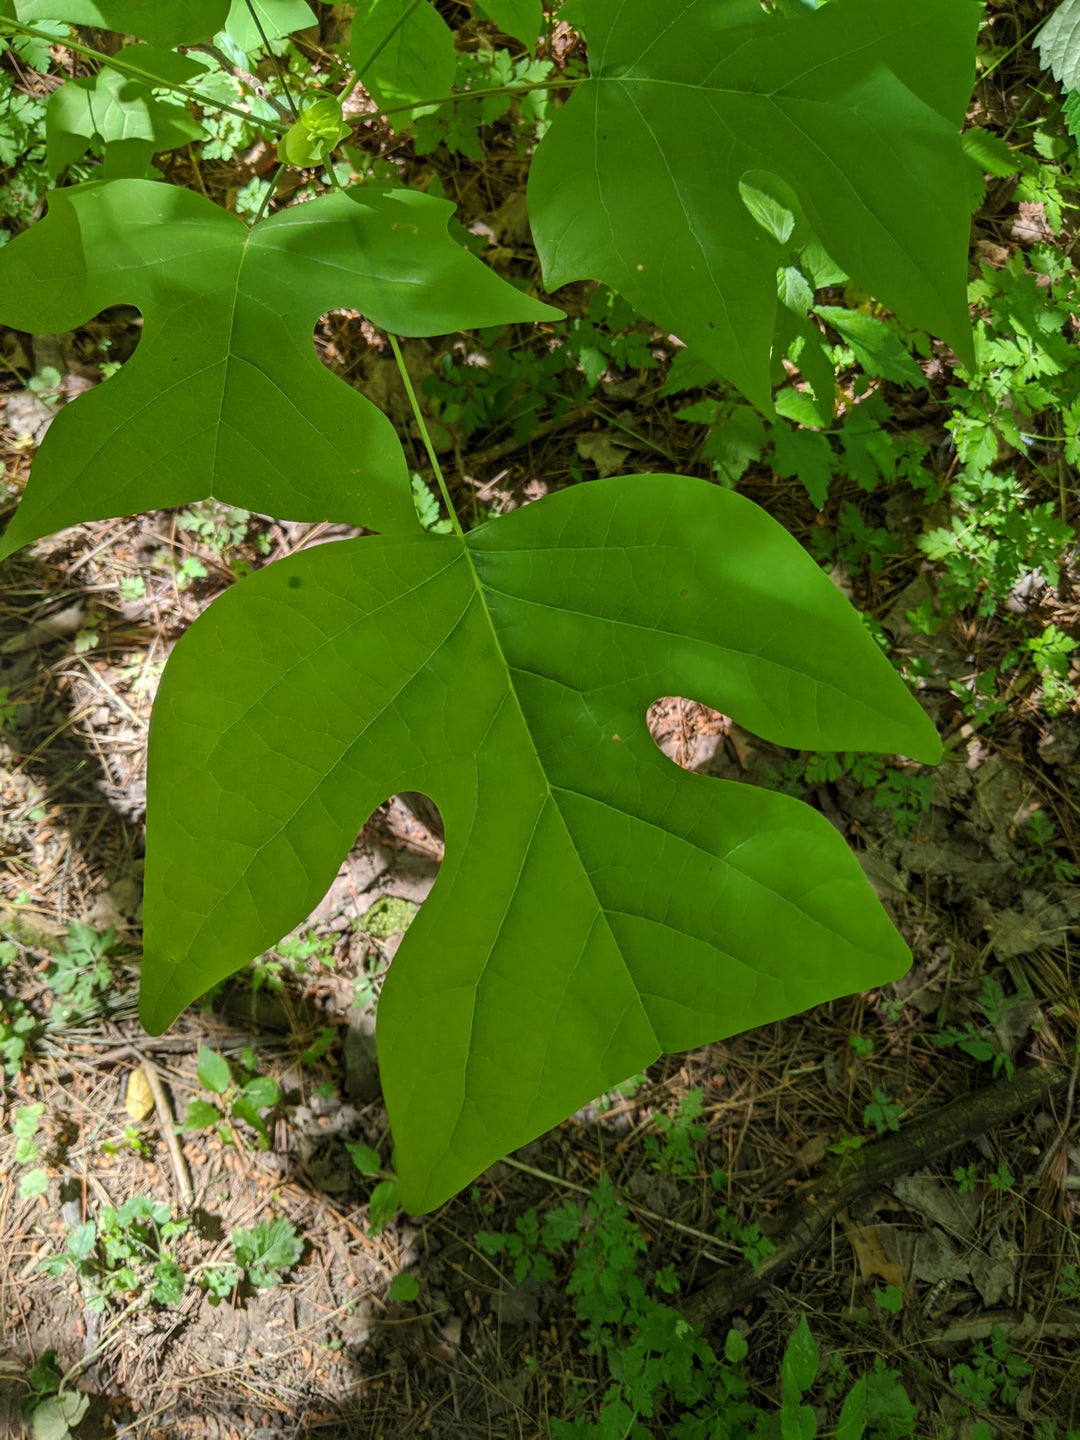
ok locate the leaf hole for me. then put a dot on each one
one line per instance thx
(685, 731)
(57, 368)
(355, 350)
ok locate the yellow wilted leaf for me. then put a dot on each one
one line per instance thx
(139, 1098)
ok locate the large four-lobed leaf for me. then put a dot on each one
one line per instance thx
(856, 107)
(597, 905)
(225, 395)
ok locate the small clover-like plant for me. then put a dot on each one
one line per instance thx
(597, 905)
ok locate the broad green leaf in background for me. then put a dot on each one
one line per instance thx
(856, 108)
(804, 455)
(1059, 44)
(876, 345)
(165, 22)
(133, 122)
(225, 395)
(597, 905)
(523, 19)
(403, 52)
(277, 18)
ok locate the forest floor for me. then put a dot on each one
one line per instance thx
(953, 1263)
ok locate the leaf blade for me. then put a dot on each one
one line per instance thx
(681, 902)
(225, 395)
(855, 110)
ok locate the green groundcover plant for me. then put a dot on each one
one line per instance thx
(597, 906)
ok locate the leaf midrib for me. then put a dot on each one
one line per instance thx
(550, 798)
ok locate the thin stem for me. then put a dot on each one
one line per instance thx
(358, 73)
(495, 90)
(253, 82)
(419, 418)
(136, 72)
(275, 59)
(114, 1324)
(1012, 49)
(271, 187)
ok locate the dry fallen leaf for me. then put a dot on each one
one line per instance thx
(139, 1098)
(869, 1247)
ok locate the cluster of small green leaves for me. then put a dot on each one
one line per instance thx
(746, 1234)
(262, 1253)
(1022, 399)
(983, 1043)
(672, 1150)
(82, 973)
(246, 1099)
(1043, 862)
(25, 1124)
(123, 1253)
(17, 1021)
(806, 442)
(661, 1370)
(458, 125)
(520, 385)
(905, 793)
(994, 1375)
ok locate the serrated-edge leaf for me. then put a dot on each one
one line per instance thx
(990, 153)
(1059, 44)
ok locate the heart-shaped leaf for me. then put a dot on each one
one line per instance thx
(403, 51)
(856, 108)
(165, 22)
(123, 112)
(597, 905)
(275, 18)
(225, 395)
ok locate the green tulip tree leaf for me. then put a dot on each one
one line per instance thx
(225, 395)
(855, 108)
(403, 52)
(277, 18)
(597, 905)
(523, 19)
(164, 22)
(123, 112)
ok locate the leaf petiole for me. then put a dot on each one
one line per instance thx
(418, 415)
(493, 90)
(276, 61)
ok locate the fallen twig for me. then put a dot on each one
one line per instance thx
(168, 1128)
(858, 1173)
